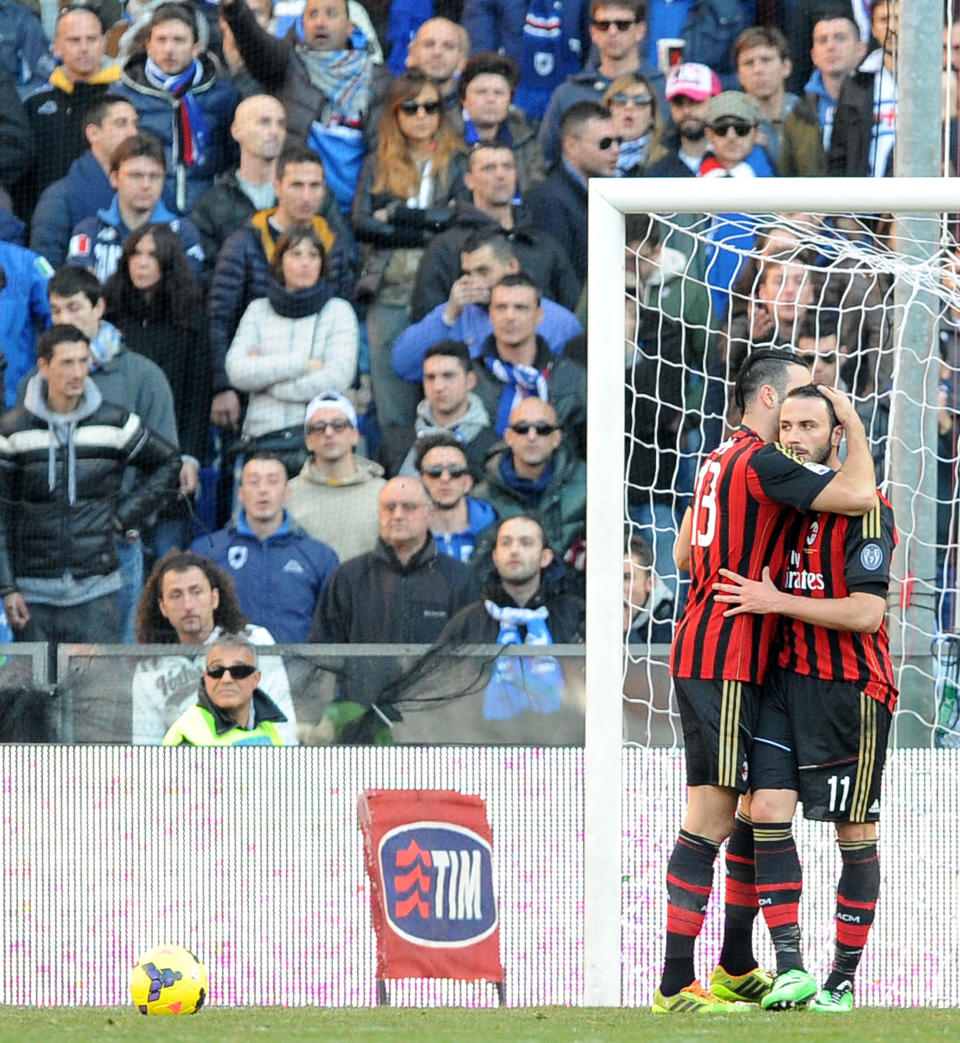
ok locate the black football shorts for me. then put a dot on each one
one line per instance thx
(718, 719)
(827, 740)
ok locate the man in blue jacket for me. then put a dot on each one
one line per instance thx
(487, 256)
(136, 172)
(457, 519)
(86, 187)
(278, 570)
(183, 99)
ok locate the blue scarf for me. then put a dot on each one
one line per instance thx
(517, 683)
(521, 382)
(531, 489)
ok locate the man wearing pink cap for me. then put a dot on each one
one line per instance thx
(689, 87)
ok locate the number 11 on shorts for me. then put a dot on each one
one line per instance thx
(839, 787)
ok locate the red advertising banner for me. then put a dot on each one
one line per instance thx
(428, 854)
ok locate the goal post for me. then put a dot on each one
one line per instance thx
(911, 460)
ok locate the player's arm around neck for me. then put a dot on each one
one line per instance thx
(853, 490)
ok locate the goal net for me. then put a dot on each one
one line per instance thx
(872, 301)
(859, 276)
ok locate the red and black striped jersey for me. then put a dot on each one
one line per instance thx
(746, 495)
(833, 556)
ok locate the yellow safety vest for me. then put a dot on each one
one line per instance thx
(196, 727)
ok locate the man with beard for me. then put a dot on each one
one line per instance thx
(689, 89)
(825, 716)
(521, 606)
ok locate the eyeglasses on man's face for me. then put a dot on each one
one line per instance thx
(337, 426)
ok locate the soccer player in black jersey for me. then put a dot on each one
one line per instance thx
(826, 712)
(748, 491)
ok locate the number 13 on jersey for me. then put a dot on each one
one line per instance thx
(703, 526)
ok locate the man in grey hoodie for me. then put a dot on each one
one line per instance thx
(63, 454)
(450, 405)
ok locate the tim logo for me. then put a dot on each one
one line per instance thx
(438, 884)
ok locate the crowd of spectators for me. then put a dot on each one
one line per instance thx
(337, 263)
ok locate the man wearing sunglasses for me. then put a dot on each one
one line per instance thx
(559, 205)
(189, 603)
(618, 31)
(732, 122)
(231, 710)
(537, 472)
(457, 520)
(334, 497)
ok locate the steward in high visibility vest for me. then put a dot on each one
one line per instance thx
(201, 726)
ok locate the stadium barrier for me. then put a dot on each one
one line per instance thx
(253, 858)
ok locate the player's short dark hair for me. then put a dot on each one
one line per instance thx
(454, 349)
(436, 440)
(579, 115)
(71, 280)
(518, 279)
(139, 146)
(639, 7)
(296, 154)
(838, 14)
(812, 391)
(767, 366)
(64, 334)
(263, 455)
(490, 63)
(174, 13)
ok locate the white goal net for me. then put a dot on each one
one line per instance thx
(687, 278)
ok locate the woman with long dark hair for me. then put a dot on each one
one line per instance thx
(154, 301)
(404, 196)
(292, 344)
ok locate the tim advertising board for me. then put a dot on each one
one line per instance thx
(429, 858)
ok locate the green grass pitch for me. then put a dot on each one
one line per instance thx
(576, 1025)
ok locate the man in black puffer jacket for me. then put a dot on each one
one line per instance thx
(62, 458)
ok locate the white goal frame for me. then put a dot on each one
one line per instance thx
(610, 200)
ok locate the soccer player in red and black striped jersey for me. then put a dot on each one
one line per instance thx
(748, 491)
(825, 717)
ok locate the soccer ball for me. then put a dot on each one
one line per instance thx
(168, 980)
